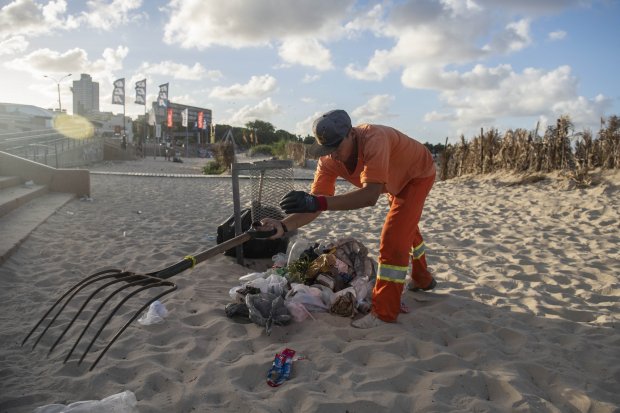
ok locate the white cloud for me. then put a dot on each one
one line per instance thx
(375, 109)
(265, 110)
(308, 100)
(306, 52)
(514, 37)
(304, 127)
(557, 35)
(181, 71)
(534, 92)
(257, 87)
(75, 61)
(438, 117)
(183, 99)
(13, 45)
(25, 17)
(248, 23)
(107, 16)
(308, 78)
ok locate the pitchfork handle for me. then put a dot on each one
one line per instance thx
(212, 252)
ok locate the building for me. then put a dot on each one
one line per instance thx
(177, 108)
(24, 118)
(85, 96)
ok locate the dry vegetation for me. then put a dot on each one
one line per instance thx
(298, 152)
(558, 149)
(224, 153)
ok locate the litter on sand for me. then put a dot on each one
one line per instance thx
(124, 402)
(155, 315)
(336, 278)
(29, 183)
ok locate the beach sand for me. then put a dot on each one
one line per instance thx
(525, 316)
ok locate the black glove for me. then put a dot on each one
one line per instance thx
(299, 202)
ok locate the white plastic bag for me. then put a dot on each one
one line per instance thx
(260, 283)
(309, 297)
(343, 292)
(155, 314)
(124, 402)
(233, 293)
(360, 286)
(298, 311)
(279, 260)
(253, 276)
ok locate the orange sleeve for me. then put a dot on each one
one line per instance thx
(376, 161)
(324, 179)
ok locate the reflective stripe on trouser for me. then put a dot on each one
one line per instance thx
(401, 241)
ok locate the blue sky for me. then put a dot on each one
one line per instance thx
(433, 69)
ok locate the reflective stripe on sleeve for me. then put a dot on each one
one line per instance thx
(417, 252)
(392, 273)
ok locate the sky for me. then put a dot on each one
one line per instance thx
(430, 68)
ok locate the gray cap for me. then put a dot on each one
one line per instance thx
(329, 131)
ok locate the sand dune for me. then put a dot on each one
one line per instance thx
(525, 316)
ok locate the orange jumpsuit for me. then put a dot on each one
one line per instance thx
(407, 171)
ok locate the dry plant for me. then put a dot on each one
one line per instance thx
(224, 153)
(558, 149)
(297, 151)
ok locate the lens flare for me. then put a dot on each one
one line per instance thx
(73, 126)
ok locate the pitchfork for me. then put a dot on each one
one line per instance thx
(141, 282)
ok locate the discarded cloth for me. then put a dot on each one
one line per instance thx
(344, 305)
(267, 310)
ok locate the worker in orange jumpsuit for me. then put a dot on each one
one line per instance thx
(377, 159)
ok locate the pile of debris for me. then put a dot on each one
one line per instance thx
(336, 277)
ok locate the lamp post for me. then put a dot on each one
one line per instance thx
(58, 84)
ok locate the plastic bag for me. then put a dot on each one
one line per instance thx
(253, 276)
(260, 283)
(309, 297)
(155, 314)
(297, 311)
(280, 260)
(124, 402)
(233, 293)
(360, 286)
(343, 292)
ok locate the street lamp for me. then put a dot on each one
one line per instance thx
(58, 84)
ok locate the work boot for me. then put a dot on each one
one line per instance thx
(369, 321)
(415, 288)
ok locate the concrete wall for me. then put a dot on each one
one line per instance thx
(89, 153)
(112, 152)
(73, 181)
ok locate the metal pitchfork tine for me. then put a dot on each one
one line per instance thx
(144, 281)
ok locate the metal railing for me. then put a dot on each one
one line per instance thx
(37, 145)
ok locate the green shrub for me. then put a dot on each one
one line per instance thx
(213, 168)
(264, 149)
(279, 149)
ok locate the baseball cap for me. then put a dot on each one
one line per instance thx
(329, 131)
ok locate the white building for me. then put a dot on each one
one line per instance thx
(85, 95)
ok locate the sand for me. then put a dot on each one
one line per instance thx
(525, 317)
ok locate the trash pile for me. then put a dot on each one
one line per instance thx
(336, 277)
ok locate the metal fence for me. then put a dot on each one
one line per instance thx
(39, 145)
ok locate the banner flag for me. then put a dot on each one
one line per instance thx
(118, 95)
(152, 120)
(162, 99)
(169, 119)
(158, 131)
(256, 138)
(251, 138)
(246, 141)
(141, 92)
(184, 117)
(195, 127)
(201, 119)
(204, 124)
